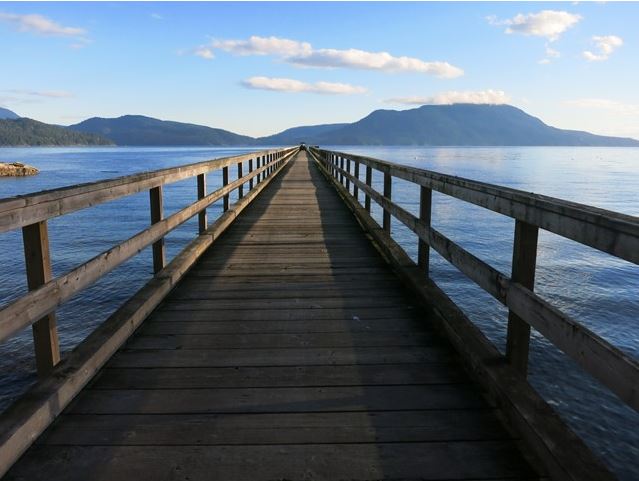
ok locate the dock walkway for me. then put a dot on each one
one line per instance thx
(290, 351)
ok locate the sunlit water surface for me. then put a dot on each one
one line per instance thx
(597, 289)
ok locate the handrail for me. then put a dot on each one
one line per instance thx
(31, 212)
(610, 232)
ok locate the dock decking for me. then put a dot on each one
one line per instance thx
(290, 351)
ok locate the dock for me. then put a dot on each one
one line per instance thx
(294, 339)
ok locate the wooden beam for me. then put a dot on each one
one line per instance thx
(225, 182)
(388, 186)
(425, 208)
(240, 190)
(250, 169)
(523, 272)
(355, 188)
(348, 169)
(369, 181)
(201, 193)
(38, 268)
(157, 214)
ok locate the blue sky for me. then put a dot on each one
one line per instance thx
(258, 68)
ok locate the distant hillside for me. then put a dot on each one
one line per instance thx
(460, 124)
(28, 132)
(140, 130)
(297, 135)
(8, 114)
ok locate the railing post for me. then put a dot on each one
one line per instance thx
(157, 214)
(225, 182)
(425, 208)
(35, 238)
(369, 183)
(201, 193)
(240, 174)
(250, 167)
(523, 272)
(341, 173)
(356, 174)
(348, 169)
(258, 164)
(386, 224)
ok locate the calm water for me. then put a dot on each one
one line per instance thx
(597, 289)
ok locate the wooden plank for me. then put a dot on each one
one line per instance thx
(257, 429)
(184, 324)
(283, 341)
(197, 358)
(280, 376)
(37, 257)
(277, 400)
(425, 211)
(426, 461)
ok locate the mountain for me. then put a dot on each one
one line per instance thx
(28, 132)
(459, 124)
(8, 114)
(140, 130)
(298, 134)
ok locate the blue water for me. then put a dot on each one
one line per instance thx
(594, 288)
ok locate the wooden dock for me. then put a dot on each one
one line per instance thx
(294, 348)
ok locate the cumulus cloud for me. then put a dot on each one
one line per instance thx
(303, 54)
(203, 52)
(296, 86)
(490, 96)
(549, 24)
(255, 45)
(40, 25)
(550, 55)
(605, 45)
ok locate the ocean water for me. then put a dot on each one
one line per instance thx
(597, 289)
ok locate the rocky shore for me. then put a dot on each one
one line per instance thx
(16, 169)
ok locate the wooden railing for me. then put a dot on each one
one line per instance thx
(607, 231)
(31, 212)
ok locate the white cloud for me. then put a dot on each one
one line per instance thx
(605, 45)
(384, 61)
(456, 97)
(157, 16)
(296, 86)
(549, 24)
(604, 104)
(255, 45)
(303, 54)
(40, 25)
(204, 52)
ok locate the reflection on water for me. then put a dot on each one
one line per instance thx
(594, 288)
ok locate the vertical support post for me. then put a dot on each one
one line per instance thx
(355, 188)
(35, 238)
(258, 164)
(523, 272)
(348, 169)
(240, 174)
(425, 209)
(369, 183)
(225, 182)
(386, 219)
(250, 167)
(341, 173)
(157, 214)
(201, 193)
